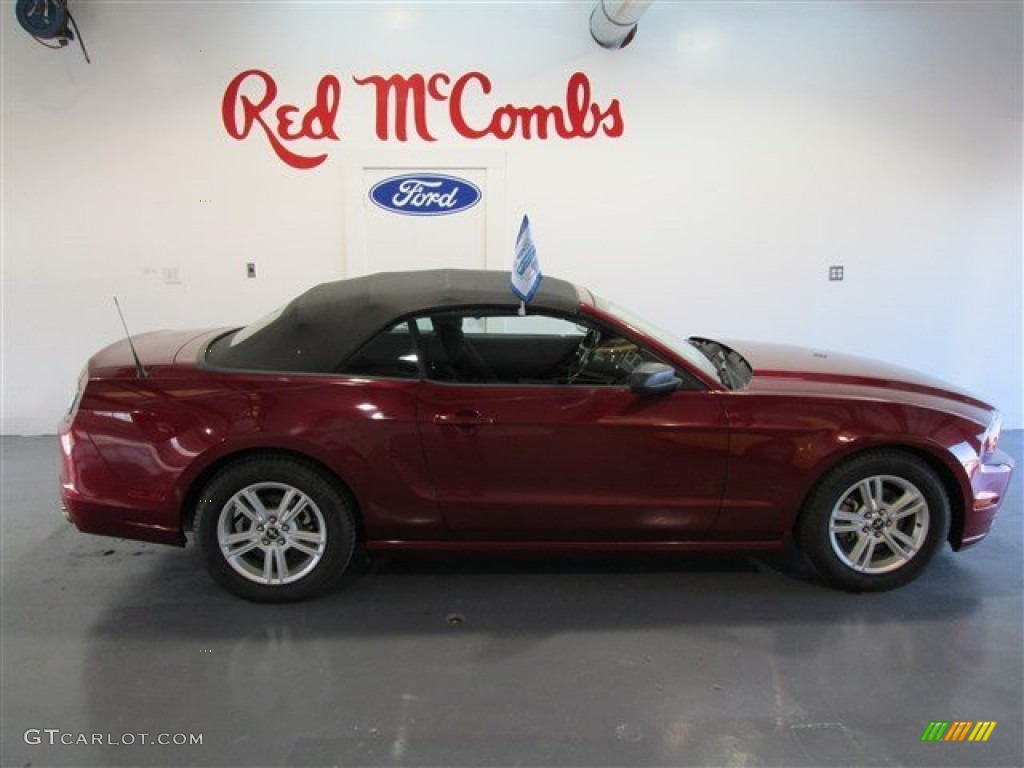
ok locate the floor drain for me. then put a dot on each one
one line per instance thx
(455, 619)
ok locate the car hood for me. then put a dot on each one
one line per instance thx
(822, 370)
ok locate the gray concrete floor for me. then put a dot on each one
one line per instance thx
(580, 662)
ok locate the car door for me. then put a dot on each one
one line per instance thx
(531, 433)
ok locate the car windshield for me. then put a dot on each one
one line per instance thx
(681, 347)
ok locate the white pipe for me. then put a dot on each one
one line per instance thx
(613, 22)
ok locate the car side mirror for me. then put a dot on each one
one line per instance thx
(653, 378)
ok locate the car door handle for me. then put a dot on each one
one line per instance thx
(462, 419)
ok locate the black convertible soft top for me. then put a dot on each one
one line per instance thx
(323, 326)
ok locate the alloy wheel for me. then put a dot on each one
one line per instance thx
(879, 524)
(271, 533)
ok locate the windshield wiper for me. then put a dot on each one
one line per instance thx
(733, 371)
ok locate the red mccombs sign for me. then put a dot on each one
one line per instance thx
(251, 104)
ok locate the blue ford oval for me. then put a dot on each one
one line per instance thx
(425, 194)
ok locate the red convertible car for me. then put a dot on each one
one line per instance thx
(421, 411)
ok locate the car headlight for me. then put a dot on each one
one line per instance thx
(990, 437)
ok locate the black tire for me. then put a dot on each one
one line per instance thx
(875, 521)
(275, 529)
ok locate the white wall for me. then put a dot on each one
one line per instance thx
(763, 142)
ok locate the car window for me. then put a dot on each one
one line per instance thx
(390, 354)
(506, 348)
(257, 326)
(681, 347)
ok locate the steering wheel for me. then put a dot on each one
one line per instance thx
(585, 351)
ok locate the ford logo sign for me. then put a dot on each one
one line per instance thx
(425, 194)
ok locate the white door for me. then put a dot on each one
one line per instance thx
(398, 227)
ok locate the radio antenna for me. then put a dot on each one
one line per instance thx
(138, 363)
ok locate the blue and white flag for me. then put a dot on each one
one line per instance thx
(526, 275)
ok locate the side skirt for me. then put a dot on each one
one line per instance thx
(596, 547)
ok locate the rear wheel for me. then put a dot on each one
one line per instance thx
(275, 529)
(875, 521)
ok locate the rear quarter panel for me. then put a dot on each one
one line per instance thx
(161, 436)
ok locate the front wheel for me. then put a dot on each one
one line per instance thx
(274, 529)
(875, 521)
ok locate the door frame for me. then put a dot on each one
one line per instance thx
(355, 162)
